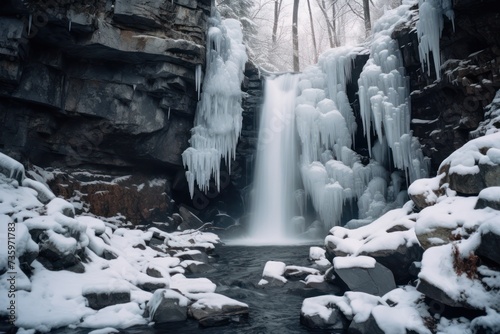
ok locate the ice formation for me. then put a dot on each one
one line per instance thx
(217, 124)
(332, 172)
(429, 29)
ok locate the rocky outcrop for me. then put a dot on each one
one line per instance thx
(99, 84)
(111, 88)
(445, 112)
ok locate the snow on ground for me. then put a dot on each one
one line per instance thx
(109, 260)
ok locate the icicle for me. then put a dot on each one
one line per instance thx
(168, 117)
(30, 20)
(429, 30)
(69, 26)
(197, 79)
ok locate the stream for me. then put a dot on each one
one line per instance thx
(239, 269)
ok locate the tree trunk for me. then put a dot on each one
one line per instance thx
(366, 12)
(277, 10)
(336, 40)
(322, 6)
(295, 36)
(312, 32)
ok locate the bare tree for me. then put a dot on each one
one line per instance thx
(277, 11)
(312, 32)
(366, 17)
(295, 36)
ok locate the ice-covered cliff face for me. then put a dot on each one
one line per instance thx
(333, 173)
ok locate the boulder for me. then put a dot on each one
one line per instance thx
(167, 306)
(398, 260)
(272, 275)
(438, 294)
(368, 326)
(489, 198)
(102, 295)
(213, 309)
(11, 168)
(322, 312)
(364, 274)
(488, 248)
(193, 255)
(196, 267)
(190, 220)
(299, 273)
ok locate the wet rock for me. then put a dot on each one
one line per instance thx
(196, 267)
(100, 299)
(439, 295)
(212, 309)
(398, 260)
(190, 220)
(326, 315)
(194, 255)
(167, 306)
(368, 326)
(489, 198)
(377, 280)
(488, 248)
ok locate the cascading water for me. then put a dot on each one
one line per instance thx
(273, 193)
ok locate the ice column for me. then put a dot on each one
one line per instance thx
(217, 123)
(429, 29)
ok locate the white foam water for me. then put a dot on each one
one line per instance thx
(273, 193)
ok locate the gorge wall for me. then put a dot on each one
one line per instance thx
(445, 112)
(106, 87)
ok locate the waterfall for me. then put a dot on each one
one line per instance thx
(273, 193)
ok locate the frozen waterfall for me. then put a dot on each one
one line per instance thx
(273, 194)
(217, 124)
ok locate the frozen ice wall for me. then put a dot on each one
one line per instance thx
(217, 123)
(332, 173)
(384, 98)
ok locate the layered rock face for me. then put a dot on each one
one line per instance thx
(100, 84)
(444, 112)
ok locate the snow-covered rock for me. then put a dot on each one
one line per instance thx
(323, 312)
(364, 274)
(212, 309)
(272, 275)
(167, 306)
(11, 168)
(105, 294)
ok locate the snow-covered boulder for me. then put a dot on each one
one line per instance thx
(426, 191)
(299, 273)
(364, 274)
(196, 267)
(489, 198)
(390, 240)
(212, 309)
(167, 306)
(272, 275)
(323, 312)
(11, 168)
(62, 206)
(474, 166)
(106, 294)
(44, 194)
